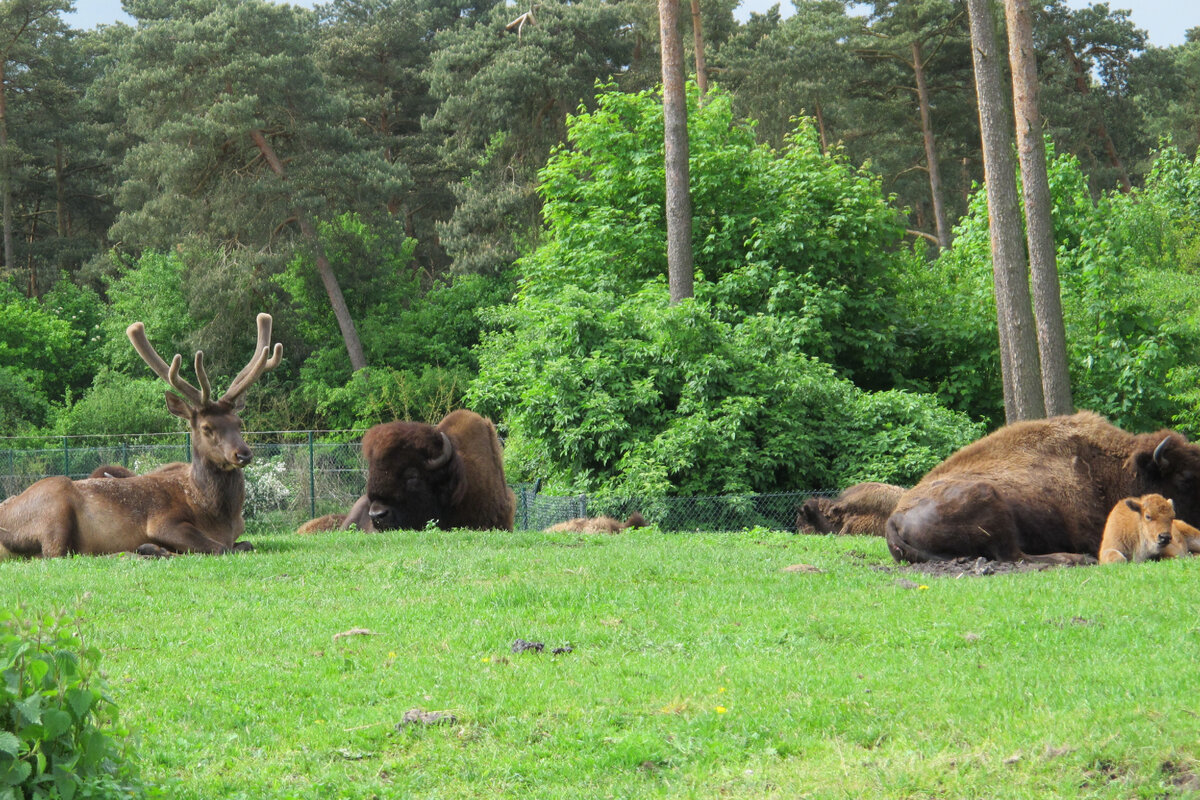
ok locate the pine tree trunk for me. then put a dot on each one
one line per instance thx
(1039, 226)
(324, 268)
(1014, 312)
(698, 39)
(679, 200)
(931, 159)
(6, 212)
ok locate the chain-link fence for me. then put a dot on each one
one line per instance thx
(298, 475)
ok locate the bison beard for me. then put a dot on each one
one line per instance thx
(1040, 490)
(451, 475)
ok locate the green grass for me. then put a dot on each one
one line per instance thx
(699, 669)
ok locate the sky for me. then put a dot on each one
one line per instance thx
(1165, 20)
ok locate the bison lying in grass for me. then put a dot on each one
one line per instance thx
(1041, 490)
(861, 510)
(451, 475)
(599, 524)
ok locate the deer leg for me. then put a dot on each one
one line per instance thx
(153, 551)
(186, 538)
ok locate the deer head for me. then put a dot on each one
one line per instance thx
(215, 426)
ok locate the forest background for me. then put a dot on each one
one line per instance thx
(445, 203)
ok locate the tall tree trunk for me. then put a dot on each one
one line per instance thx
(680, 276)
(698, 38)
(6, 214)
(931, 159)
(1039, 226)
(324, 268)
(1014, 312)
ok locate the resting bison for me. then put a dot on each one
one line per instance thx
(452, 475)
(1040, 490)
(861, 510)
(112, 471)
(598, 524)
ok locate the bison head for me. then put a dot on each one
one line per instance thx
(1170, 465)
(413, 474)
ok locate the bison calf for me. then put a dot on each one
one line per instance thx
(1141, 529)
(598, 524)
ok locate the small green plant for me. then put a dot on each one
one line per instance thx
(59, 736)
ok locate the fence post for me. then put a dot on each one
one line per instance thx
(66, 458)
(312, 478)
(187, 446)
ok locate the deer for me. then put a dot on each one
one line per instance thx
(177, 508)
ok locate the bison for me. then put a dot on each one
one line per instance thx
(861, 510)
(1140, 529)
(1040, 490)
(598, 524)
(451, 475)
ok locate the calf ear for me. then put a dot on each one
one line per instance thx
(1134, 503)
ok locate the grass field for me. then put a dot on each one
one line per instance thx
(698, 668)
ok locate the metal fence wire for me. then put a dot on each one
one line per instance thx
(298, 475)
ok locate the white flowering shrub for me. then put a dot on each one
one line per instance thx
(266, 489)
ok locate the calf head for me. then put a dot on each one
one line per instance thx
(1156, 515)
(414, 474)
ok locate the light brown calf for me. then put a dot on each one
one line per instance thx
(1144, 529)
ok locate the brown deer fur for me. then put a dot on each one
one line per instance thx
(178, 508)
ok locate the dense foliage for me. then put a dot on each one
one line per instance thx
(606, 387)
(59, 735)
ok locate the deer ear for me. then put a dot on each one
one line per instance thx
(177, 407)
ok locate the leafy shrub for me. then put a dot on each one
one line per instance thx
(266, 487)
(59, 736)
(114, 404)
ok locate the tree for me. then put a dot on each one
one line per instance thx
(503, 100)
(604, 385)
(777, 69)
(912, 34)
(1018, 342)
(241, 141)
(25, 27)
(1087, 53)
(1039, 224)
(675, 138)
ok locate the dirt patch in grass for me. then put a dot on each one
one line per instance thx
(967, 567)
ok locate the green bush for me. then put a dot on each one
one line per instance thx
(59, 736)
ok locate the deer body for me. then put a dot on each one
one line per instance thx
(178, 508)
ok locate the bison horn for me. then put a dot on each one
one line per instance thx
(444, 457)
(1158, 451)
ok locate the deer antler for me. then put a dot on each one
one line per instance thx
(194, 397)
(259, 364)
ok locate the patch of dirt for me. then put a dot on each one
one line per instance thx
(960, 567)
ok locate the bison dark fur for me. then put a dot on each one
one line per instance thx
(1040, 490)
(860, 510)
(451, 475)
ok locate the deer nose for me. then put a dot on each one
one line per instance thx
(244, 457)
